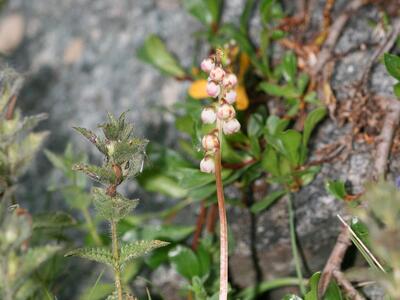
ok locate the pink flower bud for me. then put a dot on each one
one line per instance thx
(213, 89)
(217, 74)
(225, 112)
(210, 142)
(230, 97)
(230, 80)
(231, 126)
(208, 115)
(207, 65)
(207, 165)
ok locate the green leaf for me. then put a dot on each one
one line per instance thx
(270, 161)
(99, 292)
(289, 66)
(204, 258)
(392, 63)
(333, 292)
(336, 188)
(199, 9)
(155, 53)
(173, 233)
(112, 208)
(52, 220)
(285, 91)
(185, 261)
(302, 82)
(138, 249)
(361, 230)
(255, 125)
(267, 201)
(396, 90)
(311, 121)
(100, 174)
(101, 255)
(92, 137)
(291, 141)
(161, 183)
(190, 178)
(276, 125)
(313, 283)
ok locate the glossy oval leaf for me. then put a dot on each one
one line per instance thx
(392, 63)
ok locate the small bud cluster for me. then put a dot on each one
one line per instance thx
(221, 84)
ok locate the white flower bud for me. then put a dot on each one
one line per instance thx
(110, 148)
(217, 74)
(230, 80)
(208, 115)
(207, 165)
(210, 142)
(231, 126)
(225, 112)
(213, 89)
(230, 97)
(207, 65)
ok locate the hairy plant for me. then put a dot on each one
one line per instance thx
(124, 156)
(18, 146)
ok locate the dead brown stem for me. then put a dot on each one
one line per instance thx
(199, 225)
(385, 139)
(346, 285)
(334, 33)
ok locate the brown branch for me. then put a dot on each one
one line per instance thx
(11, 107)
(199, 225)
(385, 46)
(385, 139)
(346, 285)
(335, 260)
(334, 33)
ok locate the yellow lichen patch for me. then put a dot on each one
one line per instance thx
(242, 100)
(198, 89)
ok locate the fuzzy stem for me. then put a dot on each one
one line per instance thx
(115, 252)
(295, 251)
(91, 227)
(223, 227)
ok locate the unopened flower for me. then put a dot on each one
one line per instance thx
(230, 80)
(208, 115)
(210, 142)
(207, 65)
(213, 89)
(231, 126)
(225, 112)
(207, 165)
(217, 74)
(230, 97)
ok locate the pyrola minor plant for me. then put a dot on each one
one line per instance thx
(221, 85)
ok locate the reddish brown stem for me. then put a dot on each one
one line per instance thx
(11, 107)
(199, 225)
(223, 227)
(212, 218)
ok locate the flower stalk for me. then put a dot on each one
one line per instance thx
(221, 85)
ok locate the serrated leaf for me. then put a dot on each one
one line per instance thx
(52, 220)
(112, 208)
(155, 52)
(101, 255)
(392, 63)
(92, 137)
(100, 174)
(138, 249)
